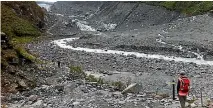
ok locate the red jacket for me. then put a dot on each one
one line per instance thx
(181, 89)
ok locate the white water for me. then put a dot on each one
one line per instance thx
(109, 26)
(62, 43)
(59, 14)
(82, 25)
(46, 6)
(199, 56)
(181, 49)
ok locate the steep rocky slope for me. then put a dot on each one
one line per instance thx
(130, 21)
(21, 22)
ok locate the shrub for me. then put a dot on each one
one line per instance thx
(92, 78)
(77, 72)
(119, 85)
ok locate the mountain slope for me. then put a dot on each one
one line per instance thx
(21, 22)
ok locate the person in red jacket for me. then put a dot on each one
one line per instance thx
(183, 88)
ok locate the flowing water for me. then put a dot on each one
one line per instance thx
(82, 25)
(62, 43)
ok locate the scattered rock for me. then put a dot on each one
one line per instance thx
(60, 88)
(37, 104)
(69, 88)
(33, 98)
(22, 83)
(76, 103)
(117, 94)
(193, 105)
(130, 88)
(159, 97)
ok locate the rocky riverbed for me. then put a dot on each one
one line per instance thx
(176, 37)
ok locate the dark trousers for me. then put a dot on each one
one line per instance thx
(182, 100)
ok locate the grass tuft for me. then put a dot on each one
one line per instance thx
(22, 40)
(119, 85)
(22, 52)
(92, 78)
(77, 72)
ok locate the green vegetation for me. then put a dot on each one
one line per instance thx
(22, 52)
(14, 26)
(189, 7)
(19, 22)
(27, 10)
(119, 85)
(185, 7)
(169, 4)
(18, 51)
(77, 72)
(22, 40)
(92, 78)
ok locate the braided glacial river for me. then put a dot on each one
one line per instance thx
(84, 27)
(63, 44)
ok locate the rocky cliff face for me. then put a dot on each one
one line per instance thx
(115, 15)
